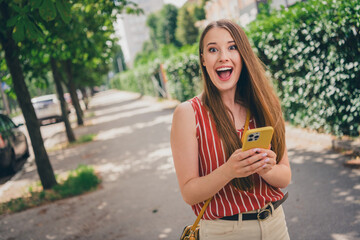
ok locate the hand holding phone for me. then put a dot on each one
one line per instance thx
(257, 162)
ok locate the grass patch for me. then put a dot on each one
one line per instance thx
(82, 139)
(89, 114)
(81, 180)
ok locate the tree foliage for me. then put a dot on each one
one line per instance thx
(167, 24)
(186, 32)
(73, 32)
(163, 25)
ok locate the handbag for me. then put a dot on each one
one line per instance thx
(191, 232)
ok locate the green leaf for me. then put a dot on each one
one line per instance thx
(16, 8)
(36, 3)
(47, 10)
(12, 21)
(18, 32)
(32, 31)
(64, 9)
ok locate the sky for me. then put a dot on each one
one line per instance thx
(177, 3)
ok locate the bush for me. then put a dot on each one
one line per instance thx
(79, 181)
(182, 70)
(313, 52)
(184, 77)
(139, 79)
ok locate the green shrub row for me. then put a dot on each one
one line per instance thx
(184, 79)
(313, 52)
(182, 71)
(139, 79)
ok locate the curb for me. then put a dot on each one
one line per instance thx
(348, 145)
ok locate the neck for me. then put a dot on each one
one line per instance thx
(228, 99)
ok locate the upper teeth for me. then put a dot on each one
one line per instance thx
(223, 69)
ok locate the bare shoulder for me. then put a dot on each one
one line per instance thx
(184, 110)
(184, 116)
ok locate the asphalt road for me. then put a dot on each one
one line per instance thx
(139, 198)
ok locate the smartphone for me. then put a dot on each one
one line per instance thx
(257, 138)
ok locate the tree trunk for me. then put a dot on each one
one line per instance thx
(85, 97)
(64, 108)
(72, 91)
(11, 49)
(5, 100)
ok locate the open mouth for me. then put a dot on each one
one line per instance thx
(224, 73)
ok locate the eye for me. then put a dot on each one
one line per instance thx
(232, 47)
(212, 49)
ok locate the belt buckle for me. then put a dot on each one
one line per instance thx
(263, 214)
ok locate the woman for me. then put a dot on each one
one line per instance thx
(206, 146)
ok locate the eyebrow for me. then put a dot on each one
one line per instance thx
(215, 42)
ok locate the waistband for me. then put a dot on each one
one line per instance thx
(261, 215)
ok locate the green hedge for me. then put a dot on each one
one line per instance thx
(313, 51)
(139, 79)
(184, 79)
(182, 71)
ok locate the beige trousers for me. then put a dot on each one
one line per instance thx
(273, 228)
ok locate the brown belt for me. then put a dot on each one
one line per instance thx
(263, 214)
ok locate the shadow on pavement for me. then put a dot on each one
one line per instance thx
(324, 200)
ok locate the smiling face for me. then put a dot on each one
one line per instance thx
(221, 59)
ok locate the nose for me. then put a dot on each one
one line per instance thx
(224, 56)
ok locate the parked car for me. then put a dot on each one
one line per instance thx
(13, 145)
(47, 107)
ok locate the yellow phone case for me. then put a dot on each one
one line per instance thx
(257, 138)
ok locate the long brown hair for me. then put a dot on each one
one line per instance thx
(254, 91)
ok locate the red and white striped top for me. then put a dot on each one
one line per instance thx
(228, 201)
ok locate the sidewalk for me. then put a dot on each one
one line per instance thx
(21, 181)
(139, 197)
(132, 154)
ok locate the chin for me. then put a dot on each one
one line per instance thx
(226, 86)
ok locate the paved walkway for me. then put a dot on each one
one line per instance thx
(140, 199)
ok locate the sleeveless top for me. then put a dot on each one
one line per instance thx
(228, 201)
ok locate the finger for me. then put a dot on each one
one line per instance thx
(253, 159)
(240, 155)
(264, 169)
(270, 153)
(272, 161)
(257, 166)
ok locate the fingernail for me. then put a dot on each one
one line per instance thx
(267, 160)
(264, 165)
(256, 149)
(264, 154)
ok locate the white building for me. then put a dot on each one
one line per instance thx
(133, 31)
(240, 11)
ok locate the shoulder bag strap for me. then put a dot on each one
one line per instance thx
(246, 126)
(200, 215)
